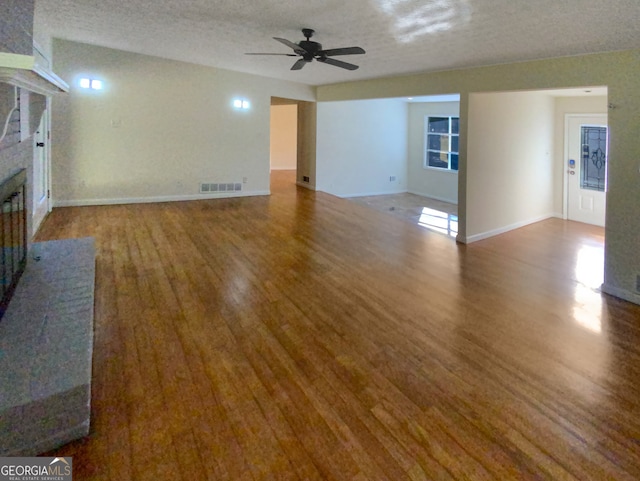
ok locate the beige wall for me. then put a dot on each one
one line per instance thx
(510, 157)
(158, 129)
(284, 137)
(428, 182)
(307, 122)
(619, 71)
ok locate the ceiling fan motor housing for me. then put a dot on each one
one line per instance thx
(310, 46)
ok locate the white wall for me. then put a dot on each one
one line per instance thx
(510, 157)
(360, 145)
(432, 183)
(158, 129)
(284, 138)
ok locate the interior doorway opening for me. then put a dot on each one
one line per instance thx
(293, 142)
(41, 180)
(283, 154)
(518, 165)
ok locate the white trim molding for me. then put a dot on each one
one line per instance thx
(367, 194)
(306, 185)
(434, 197)
(149, 200)
(24, 72)
(502, 230)
(621, 293)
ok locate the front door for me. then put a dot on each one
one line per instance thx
(40, 174)
(587, 168)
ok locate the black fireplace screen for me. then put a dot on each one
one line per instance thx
(13, 235)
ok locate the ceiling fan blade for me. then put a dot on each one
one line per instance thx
(299, 64)
(338, 63)
(296, 48)
(342, 51)
(285, 54)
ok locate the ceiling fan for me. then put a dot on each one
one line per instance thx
(308, 50)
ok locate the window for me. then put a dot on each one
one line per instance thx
(441, 139)
(593, 172)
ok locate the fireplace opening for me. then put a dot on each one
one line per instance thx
(13, 235)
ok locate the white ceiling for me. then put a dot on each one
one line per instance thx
(400, 36)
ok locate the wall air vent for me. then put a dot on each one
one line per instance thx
(215, 188)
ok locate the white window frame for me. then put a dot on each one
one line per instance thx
(426, 149)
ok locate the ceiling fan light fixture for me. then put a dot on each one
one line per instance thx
(309, 50)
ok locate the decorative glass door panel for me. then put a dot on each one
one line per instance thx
(594, 158)
(586, 139)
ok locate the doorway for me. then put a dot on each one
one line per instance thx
(40, 173)
(299, 137)
(283, 153)
(586, 140)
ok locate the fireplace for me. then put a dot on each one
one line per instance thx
(13, 235)
(46, 327)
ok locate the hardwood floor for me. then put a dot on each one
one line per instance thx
(301, 336)
(427, 213)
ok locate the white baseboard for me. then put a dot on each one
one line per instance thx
(621, 293)
(502, 230)
(148, 200)
(429, 196)
(306, 185)
(366, 194)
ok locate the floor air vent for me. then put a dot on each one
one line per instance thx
(209, 188)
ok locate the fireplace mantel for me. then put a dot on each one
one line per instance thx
(23, 71)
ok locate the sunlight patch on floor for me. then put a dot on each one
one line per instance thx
(439, 221)
(589, 272)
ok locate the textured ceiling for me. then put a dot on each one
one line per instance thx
(400, 36)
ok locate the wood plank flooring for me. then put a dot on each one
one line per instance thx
(304, 337)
